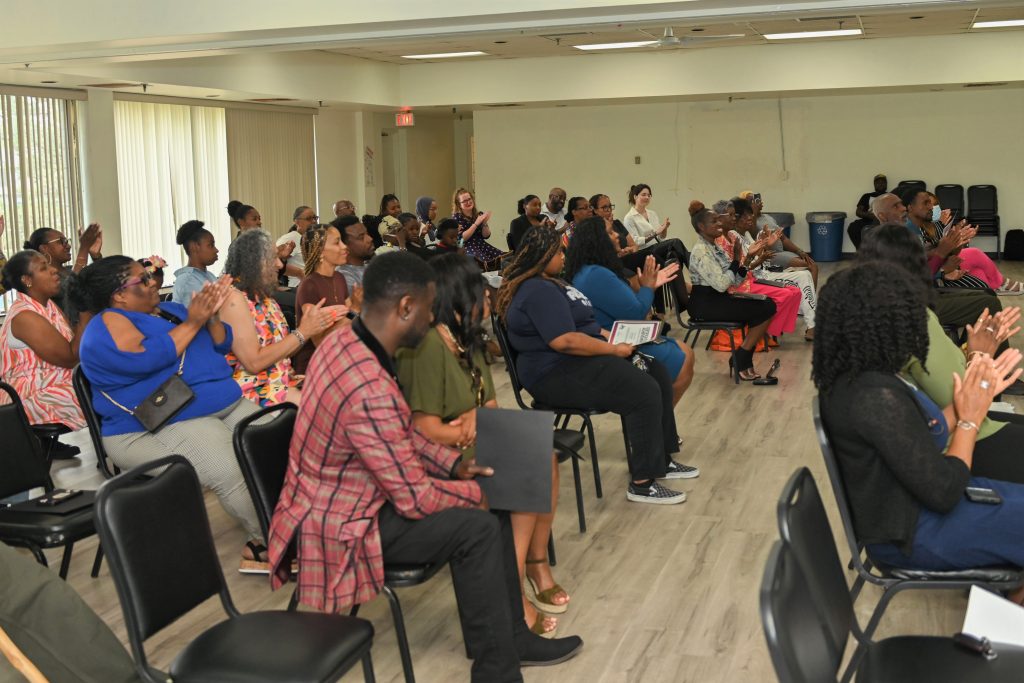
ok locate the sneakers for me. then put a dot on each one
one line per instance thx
(677, 470)
(654, 493)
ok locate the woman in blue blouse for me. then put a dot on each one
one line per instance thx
(594, 268)
(134, 344)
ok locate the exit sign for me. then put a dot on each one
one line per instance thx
(404, 119)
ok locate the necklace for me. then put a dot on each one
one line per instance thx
(333, 291)
(451, 337)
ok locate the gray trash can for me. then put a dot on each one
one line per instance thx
(783, 220)
(826, 231)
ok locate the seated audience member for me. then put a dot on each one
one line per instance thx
(390, 210)
(263, 345)
(294, 267)
(473, 229)
(155, 266)
(865, 214)
(246, 217)
(563, 360)
(322, 251)
(447, 238)
(426, 211)
(445, 380)
(38, 348)
(406, 237)
(202, 253)
(407, 500)
(996, 453)
(785, 253)
(744, 213)
(555, 209)
(643, 223)
(55, 630)
(344, 207)
(593, 268)
(714, 273)
(360, 250)
(57, 249)
(627, 247)
(956, 307)
(963, 265)
(134, 344)
(530, 215)
(578, 209)
(905, 463)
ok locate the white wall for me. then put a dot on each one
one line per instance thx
(711, 150)
(338, 157)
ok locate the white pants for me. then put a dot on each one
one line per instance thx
(798, 277)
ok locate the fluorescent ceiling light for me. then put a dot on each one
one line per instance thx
(814, 34)
(615, 46)
(998, 24)
(445, 55)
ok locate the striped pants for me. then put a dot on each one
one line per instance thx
(801, 278)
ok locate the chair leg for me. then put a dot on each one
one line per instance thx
(96, 563)
(65, 561)
(579, 494)
(37, 553)
(732, 357)
(368, 676)
(293, 602)
(403, 641)
(551, 549)
(588, 426)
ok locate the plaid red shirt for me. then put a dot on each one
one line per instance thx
(354, 449)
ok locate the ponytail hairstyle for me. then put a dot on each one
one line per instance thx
(16, 268)
(312, 245)
(459, 302)
(634, 190)
(91, 290)
(521, 205)
(190, 233)
(536, 248)
(237, 210)
(699, 214)
(37, 239)
(384, 201)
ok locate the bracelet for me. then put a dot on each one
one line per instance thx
(301, 337)
(964, 424)
(972, 354)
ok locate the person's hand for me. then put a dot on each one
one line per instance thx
(952, 263)
(737, 248)
(950, 241)
(468, 469)
(284, 251)
(87, 238)
(667, 274)
(648, 275)
(314, 319)
(989, 331)
(483, 218)
(337, 311)
(807, 259)
(221, 291)
(467, 428)
(1006, 369)
(424, 229)
(355, 302)
(973, 393)
(622, 350)
(945, 215)
(204, 304)
(664, 227)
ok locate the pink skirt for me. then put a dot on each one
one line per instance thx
(787, 304)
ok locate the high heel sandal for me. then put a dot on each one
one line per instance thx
(734, 367)
(542, 599)
(770, 379)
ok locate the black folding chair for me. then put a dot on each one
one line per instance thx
(24, 468)
(261, 445)
(905, 185)
(164, 564)
(83, 390)
(808, 543)
(951, 196)
(893, 580)
(983, 212)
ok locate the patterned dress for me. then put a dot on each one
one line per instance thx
(270, 386)
(45, 389)
(476, 246)
(787, 299)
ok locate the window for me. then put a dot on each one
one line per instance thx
(39, 179)
(171, 168)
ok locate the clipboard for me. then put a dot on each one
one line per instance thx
(519, 445)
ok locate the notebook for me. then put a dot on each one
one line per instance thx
(519, 445)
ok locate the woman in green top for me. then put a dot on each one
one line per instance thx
(997, 453)
(445, 380)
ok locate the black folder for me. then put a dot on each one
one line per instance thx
(518, 444)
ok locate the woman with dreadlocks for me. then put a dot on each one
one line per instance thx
(322, 251)
(563, 360)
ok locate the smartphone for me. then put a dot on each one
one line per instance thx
(977, 494)
(56, 497)
(757, 198)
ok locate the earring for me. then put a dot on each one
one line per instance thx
(405, 317)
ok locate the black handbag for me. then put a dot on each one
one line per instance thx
(166, 401)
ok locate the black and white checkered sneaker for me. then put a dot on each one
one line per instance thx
(677, 470)
(654, 493)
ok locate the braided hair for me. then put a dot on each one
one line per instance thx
(313, 246)
(870, 317)
(92, 289)
(536, 248)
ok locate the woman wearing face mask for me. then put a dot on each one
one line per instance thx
(529, 208)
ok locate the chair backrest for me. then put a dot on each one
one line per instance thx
(157, 537)
(982, 200)
(83, 390)
(804, 527)
(904, 185)
(261, 446)
(510, 359)
(22, 461)
(798, 644)
(951, 197)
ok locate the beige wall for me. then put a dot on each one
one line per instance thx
(430, 162)
(337, 159)
(711, 150)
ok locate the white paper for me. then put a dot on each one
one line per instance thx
(635, 332)
(993, 617)
(1002, 407)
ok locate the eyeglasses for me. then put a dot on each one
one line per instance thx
(143, 279)
(63, 241)
(468, 200)
(606, 207)
(311, 218)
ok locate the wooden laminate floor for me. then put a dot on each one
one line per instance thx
(659, 593)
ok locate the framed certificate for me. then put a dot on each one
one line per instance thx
(635, 332)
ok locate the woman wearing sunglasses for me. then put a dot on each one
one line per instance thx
(56, 248)
(133, 345)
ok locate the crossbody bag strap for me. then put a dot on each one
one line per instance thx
(181, 369)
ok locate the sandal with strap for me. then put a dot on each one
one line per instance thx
(538, 626)
(255, 565)
(542, 599)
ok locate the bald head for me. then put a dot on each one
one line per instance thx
(888, 208)
(556, 199)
